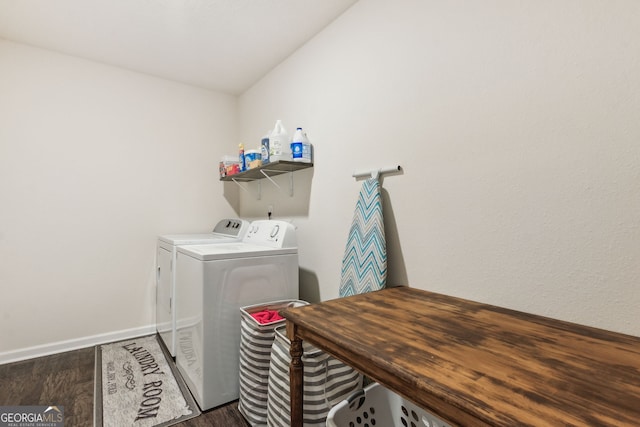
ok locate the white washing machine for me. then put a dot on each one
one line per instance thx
(226, 231)
(215, 281)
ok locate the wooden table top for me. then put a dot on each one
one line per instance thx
(477, 364)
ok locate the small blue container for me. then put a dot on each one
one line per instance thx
(251, 155)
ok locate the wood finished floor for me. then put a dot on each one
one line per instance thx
(66, 379)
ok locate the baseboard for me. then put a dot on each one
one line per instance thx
(74, 344)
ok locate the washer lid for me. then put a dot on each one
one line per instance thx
(193, 239)
(226, 230)
(232, 251)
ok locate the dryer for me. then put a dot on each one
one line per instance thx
(215, 281)
(226, 231)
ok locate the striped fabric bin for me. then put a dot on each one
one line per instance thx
(327, 381)
(255, 355)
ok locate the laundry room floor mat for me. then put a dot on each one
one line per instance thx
(136, 386)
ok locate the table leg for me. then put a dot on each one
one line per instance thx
(296, 376)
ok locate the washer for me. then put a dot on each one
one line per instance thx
(215, 281)
(226, 231)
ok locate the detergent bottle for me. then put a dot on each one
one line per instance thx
(296, 145)
(279, 148)
(243, 162)
(264, 148)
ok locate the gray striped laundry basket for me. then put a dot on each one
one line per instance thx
(255, 355)
(327, 381)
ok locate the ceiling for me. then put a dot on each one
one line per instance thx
(223, 45)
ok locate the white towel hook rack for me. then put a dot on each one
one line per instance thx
(375, 173)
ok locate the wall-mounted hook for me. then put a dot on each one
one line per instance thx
(375, 173)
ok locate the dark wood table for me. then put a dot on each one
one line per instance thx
(474, 364)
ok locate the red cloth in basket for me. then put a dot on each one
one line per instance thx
(267, 316)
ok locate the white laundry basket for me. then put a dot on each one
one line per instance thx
(256, 340)
(376, 406)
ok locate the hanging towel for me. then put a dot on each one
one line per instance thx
(364, 265)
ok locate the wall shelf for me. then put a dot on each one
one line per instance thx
(267, 171)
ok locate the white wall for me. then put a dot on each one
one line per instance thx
(95, 162)
(517, 127)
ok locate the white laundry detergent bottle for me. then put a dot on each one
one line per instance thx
(296, 145)
(279, 148)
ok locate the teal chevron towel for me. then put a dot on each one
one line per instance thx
(364, 265)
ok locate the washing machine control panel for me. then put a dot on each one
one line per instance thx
(232, 227)
(276, 234)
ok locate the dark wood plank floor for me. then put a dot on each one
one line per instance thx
(66, 379)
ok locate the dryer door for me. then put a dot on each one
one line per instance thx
(165, 320)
